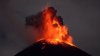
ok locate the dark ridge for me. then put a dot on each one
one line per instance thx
(42, 48)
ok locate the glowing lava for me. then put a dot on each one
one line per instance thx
(53, 31)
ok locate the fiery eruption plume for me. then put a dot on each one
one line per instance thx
(54, 31)
(50, 27)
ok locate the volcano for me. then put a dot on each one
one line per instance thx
(52, 36)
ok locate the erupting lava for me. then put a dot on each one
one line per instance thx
(54, 31)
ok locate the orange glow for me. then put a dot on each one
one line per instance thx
(53, 32)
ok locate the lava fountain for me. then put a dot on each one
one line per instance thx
(53, 29)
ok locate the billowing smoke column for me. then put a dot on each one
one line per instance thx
(52, 36)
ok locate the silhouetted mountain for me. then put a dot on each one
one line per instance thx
(42, 48)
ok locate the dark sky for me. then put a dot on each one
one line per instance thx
(81, 16)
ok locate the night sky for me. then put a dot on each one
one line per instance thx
(81, 16)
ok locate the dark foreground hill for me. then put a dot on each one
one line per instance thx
(43, 48)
